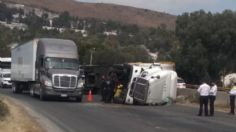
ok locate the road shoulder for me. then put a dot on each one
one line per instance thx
(19, 120)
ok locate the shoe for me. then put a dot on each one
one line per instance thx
(199, 115)
(230, 113)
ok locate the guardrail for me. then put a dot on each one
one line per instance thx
(220, 88)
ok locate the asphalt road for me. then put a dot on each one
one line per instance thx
(70, 116)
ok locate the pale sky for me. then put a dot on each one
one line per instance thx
(175, 7)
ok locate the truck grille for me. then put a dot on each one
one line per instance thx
(64, 81)
(141, 90)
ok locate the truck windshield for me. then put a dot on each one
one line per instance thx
(61, 63)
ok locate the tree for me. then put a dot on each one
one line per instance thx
(212, 33)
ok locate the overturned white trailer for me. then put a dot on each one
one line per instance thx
(135, 70)
(159, 79)
(155, 86)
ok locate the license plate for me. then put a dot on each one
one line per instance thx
(63, 95)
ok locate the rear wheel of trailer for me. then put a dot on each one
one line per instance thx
(16, 88)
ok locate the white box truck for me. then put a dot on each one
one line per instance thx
(5, 78)
(47, 67)
(5, 63)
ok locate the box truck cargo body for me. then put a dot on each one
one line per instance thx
(46, 67)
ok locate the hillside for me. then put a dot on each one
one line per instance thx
(123, 14)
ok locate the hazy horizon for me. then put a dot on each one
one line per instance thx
(175, 7)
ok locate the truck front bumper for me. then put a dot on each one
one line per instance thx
(63, 93)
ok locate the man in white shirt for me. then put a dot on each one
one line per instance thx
(212, 97)
(203, 90)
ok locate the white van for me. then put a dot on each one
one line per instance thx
(5, 78)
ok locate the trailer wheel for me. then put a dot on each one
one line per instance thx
(15, 88)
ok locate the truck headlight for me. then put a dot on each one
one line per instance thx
(48, 83)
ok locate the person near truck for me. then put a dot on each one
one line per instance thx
(103, 87)
(109, 90)
(212, 97)
(203, 90)
(232, 94)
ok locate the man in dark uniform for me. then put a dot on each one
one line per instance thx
(103, 87)
(109, 90)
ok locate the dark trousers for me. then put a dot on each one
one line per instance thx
(203, 101)
(212, 101)
(232, 103)
(108, 96)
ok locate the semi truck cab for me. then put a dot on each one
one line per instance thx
(47, 67)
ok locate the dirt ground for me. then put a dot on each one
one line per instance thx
(18, 120)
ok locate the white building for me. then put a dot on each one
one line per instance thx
(13, 25)
(110, 33)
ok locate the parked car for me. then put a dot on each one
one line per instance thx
(181, 83)
(5, 78)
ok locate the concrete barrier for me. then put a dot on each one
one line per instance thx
(191, 95)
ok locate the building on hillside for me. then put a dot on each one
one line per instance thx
(110, 33)
(13, 25)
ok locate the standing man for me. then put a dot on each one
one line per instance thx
(203, 90)
(103, 87)
(232, 94)
(212, 97)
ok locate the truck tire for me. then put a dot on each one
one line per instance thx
(78, 99)
(42, 95)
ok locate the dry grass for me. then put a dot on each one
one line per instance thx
(4, 111)
(18, 120)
